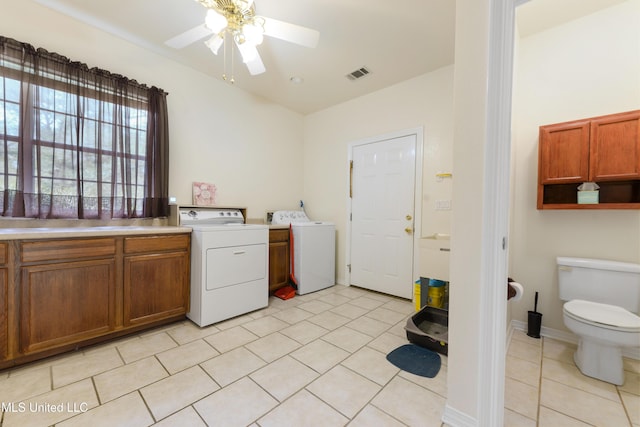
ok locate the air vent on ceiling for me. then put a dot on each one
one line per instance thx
(358, 74)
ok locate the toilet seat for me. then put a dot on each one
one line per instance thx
(603, 315)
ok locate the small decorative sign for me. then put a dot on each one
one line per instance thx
(204, 194)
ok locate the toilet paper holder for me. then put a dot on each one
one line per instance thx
(514, 290)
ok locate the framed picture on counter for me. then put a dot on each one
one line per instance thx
(204, 194)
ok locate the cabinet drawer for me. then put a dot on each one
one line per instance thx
(279, 235)
(3, 253)
(53, 250)
(178, 242)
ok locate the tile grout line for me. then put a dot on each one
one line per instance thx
(624, 407)
(542, 341)
(370, 401)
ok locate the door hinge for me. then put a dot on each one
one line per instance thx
(349, 267)
(351, 179)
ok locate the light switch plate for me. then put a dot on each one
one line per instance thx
(443, 205)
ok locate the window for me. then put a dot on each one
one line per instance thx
(78, 142)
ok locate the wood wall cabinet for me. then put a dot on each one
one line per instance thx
(604, 149)
(279, 258)
(63, 293)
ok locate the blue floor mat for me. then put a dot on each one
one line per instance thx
(416, 360)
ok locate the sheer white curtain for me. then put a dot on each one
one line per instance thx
(78, 142)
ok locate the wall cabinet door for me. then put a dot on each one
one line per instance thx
(156, 286)
(604, 149)
(564, 153)
(65, 303)
(615, 147)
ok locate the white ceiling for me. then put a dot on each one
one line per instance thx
(396, 40)
(539, 15)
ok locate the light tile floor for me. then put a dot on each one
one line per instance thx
(544, 388)
(318, 359)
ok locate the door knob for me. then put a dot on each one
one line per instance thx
(408, 230)
(409, 217)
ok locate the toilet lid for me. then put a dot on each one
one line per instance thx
(604, 314)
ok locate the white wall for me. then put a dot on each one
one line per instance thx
(585, 68)
(425, 101)
(470, 141)
(250, 148)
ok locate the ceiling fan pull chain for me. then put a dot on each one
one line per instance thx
(224, 55)
(233, 80)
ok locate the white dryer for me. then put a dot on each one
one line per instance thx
(314, 250)
(229, 264)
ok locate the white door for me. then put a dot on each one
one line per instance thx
(382, 209)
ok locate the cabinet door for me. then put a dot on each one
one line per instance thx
(156, 287)
(4, 303)
(65, 303)
(4, 309)
(278, 265)
(563, 155)
(279, 258)
(615, 147)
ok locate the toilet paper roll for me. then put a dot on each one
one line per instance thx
(519, 291)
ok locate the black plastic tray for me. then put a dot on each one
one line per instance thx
(429, 328)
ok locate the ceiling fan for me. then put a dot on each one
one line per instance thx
(236, 20)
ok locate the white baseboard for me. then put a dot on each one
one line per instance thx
(454, 418)
(510, 329)
(556, 334)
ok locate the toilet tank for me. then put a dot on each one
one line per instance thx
(608, 282)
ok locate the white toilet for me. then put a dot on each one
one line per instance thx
(603, 299)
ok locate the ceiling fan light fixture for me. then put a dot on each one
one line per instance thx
(235, 22)
(253, 33)
(215, 21)
(214, 43)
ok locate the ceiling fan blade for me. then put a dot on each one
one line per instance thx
(188, 37)
(255, 66)
(291, 32)
(251, 58)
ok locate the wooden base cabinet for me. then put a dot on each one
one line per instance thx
(279, 258)
(60, 294)
(156, 285)
(4, 284)
(64, 303)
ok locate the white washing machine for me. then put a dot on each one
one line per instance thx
(229, 264)
(314, 250)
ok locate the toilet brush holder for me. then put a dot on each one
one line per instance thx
(534, 321)
(534, 324)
